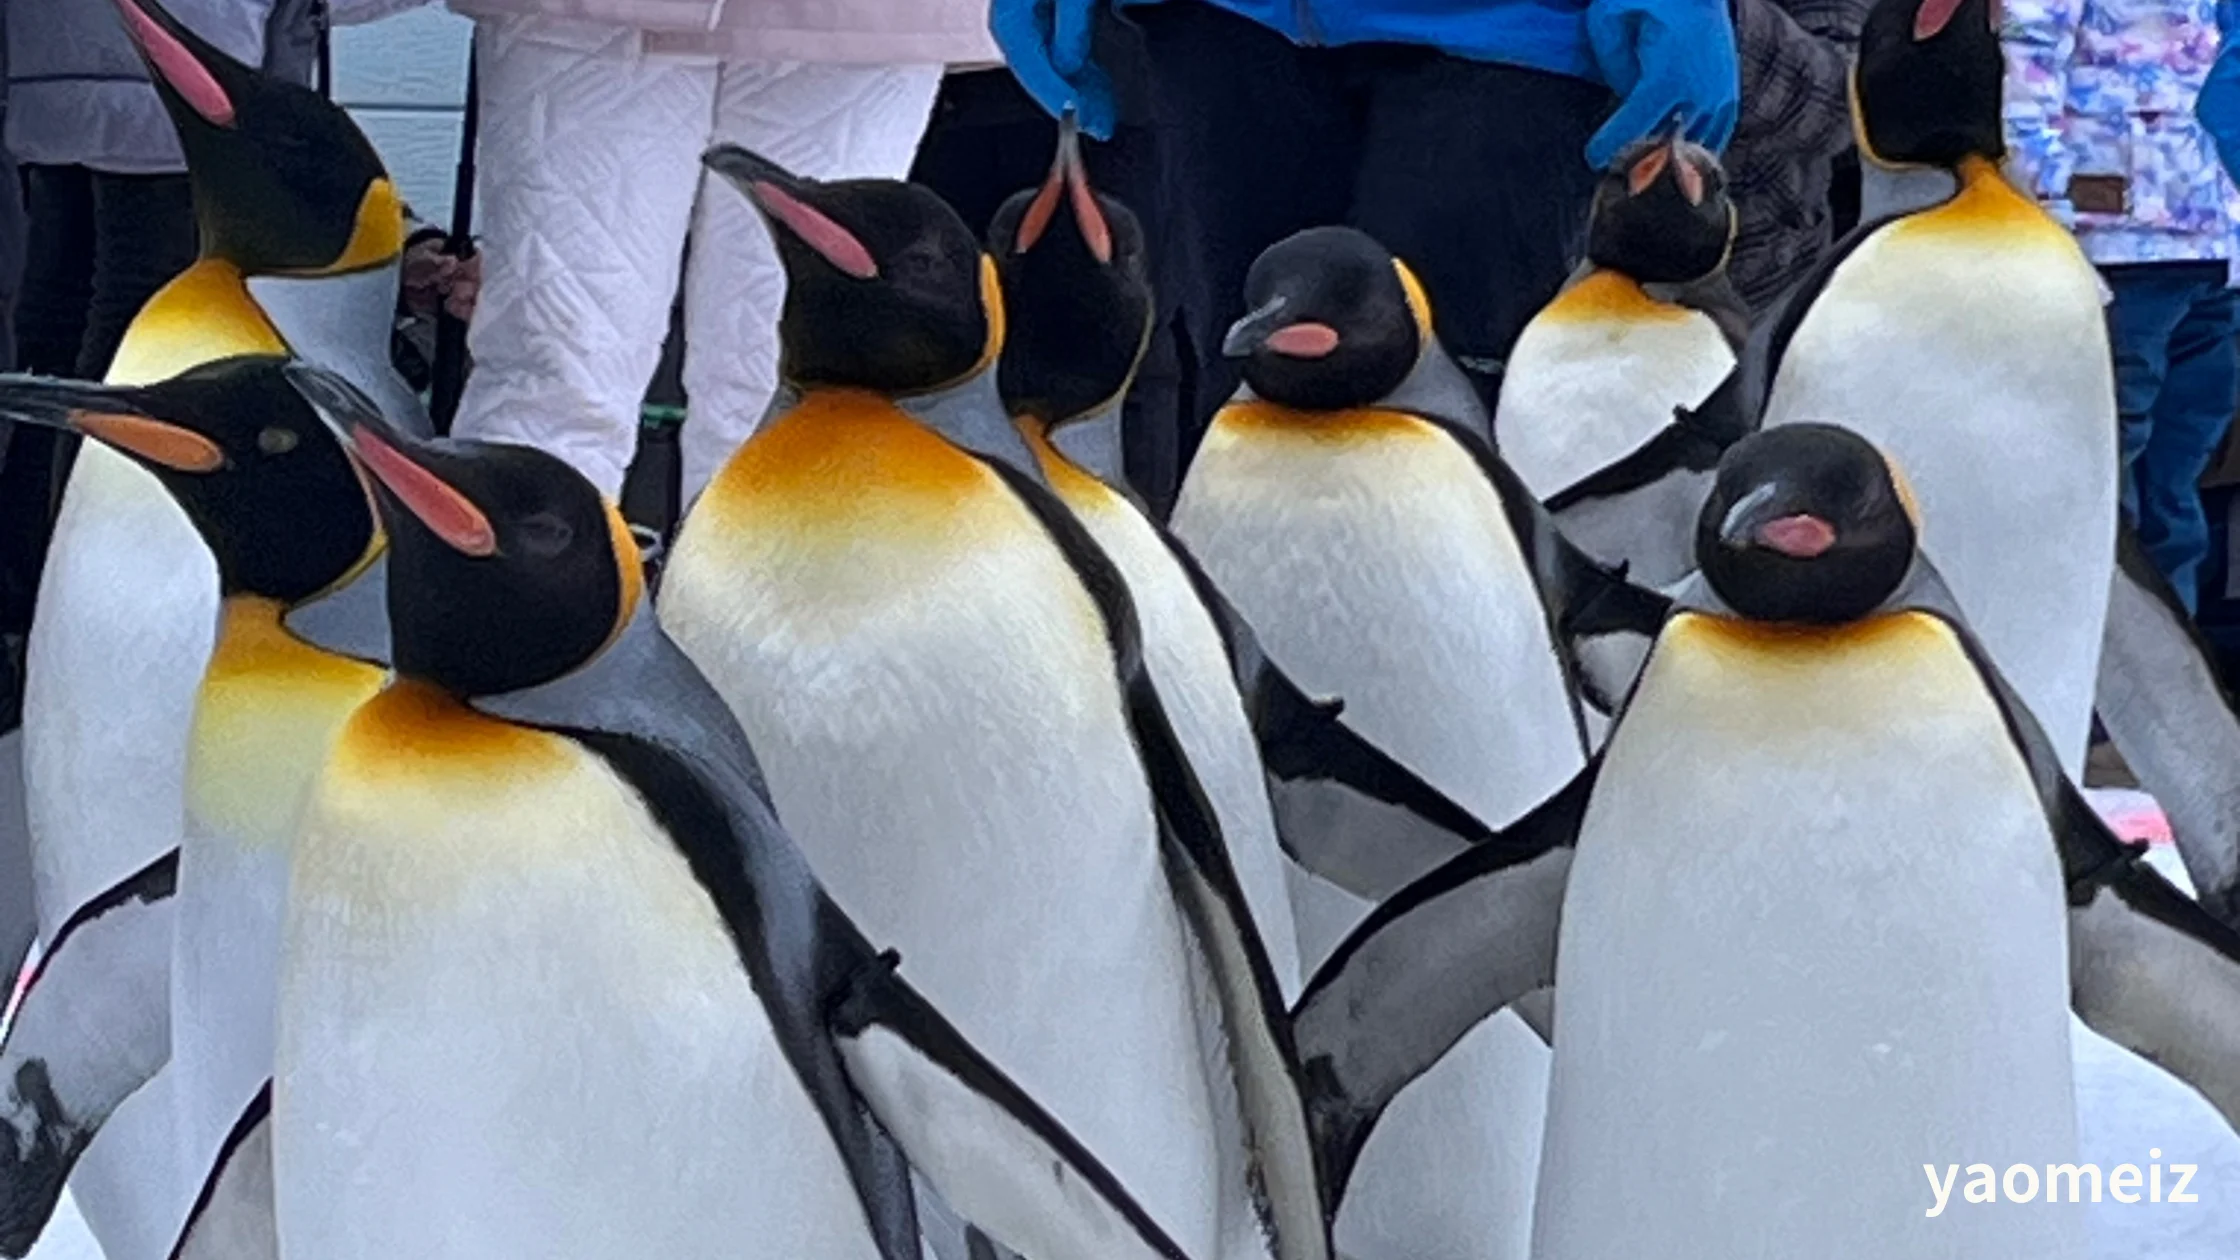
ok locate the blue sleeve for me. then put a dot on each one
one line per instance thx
(2219, 107)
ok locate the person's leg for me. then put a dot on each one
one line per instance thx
(57, 269)
(589, 157)
(987, 139)
(822, 121)
(1475, 175)
(1258, 142)
(144, 234)
(2199, 391)
(2149, 301)
(51, 303)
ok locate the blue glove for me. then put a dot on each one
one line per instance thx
(2218, 107)
(1668, 60)
(1047, 44)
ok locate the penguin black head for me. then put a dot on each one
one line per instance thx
(1806, 523)
(1927, 86)
(284, 182)
(1661, 214)
(1077, 281)
(268, 488)
(885, 288)
(506, 568)
(1336, 321)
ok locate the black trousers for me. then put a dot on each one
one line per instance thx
(988, 140)
(99, 246)
(1473, 173)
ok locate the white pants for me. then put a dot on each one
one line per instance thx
(590, 179)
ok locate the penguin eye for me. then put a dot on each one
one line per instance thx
(544, 534)
(277, 441)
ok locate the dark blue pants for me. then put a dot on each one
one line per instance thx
(2171, 328)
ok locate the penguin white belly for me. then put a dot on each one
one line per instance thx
(1814, 939)
(1374, 560)
(126, 617)
(1183, 650)
(1588, 385)
(933, 699)
(1981, 364)
(513, 1024)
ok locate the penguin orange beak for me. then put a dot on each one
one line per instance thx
(787, 202)
(109, 415)
(170, 50)
(392, 460)
(1069, 181)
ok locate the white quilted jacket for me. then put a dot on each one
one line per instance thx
(866, 32)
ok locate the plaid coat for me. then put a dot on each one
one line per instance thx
(1796, 119)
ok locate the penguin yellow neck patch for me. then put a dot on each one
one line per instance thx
(204, 314)
(1603, 296)
(376, 234)
(1901, 632)
(412, 726)
(1066, 477)
(1986, 206)
(1261, 418)
(843, 458)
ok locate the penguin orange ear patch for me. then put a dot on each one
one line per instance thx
(179, 67)
(1932, 17)
(447, 513)
(167, 445)
(835, 244)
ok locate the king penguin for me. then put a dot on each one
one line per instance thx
(943, 674)
(302, 234)
(280, 507)
(1621, 394)
(1968, 339)
(1783, 985)
(545, 933)
(1351, 508)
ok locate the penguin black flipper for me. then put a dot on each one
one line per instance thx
(2173, 719)
(89, 1025)
(959, 1117)
(1206, 888)
(232, 1217)
(2149, 968)
(647, 711)
(1692, 443)
(1431, 963)
(1601, 623)
(1305, 741)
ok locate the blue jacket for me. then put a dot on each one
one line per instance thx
(1540, 34)
(2219, 105)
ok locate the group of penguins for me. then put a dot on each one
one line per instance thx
(955, 861)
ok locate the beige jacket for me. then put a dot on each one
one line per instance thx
(868, 32)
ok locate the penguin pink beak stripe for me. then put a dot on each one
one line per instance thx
(1932, 16)
(445, 511)
(1069, 180)
(1645, 171)
(816, 229)
(179, 68)
(1800, 537)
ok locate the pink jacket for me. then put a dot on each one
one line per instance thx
(873, 32)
